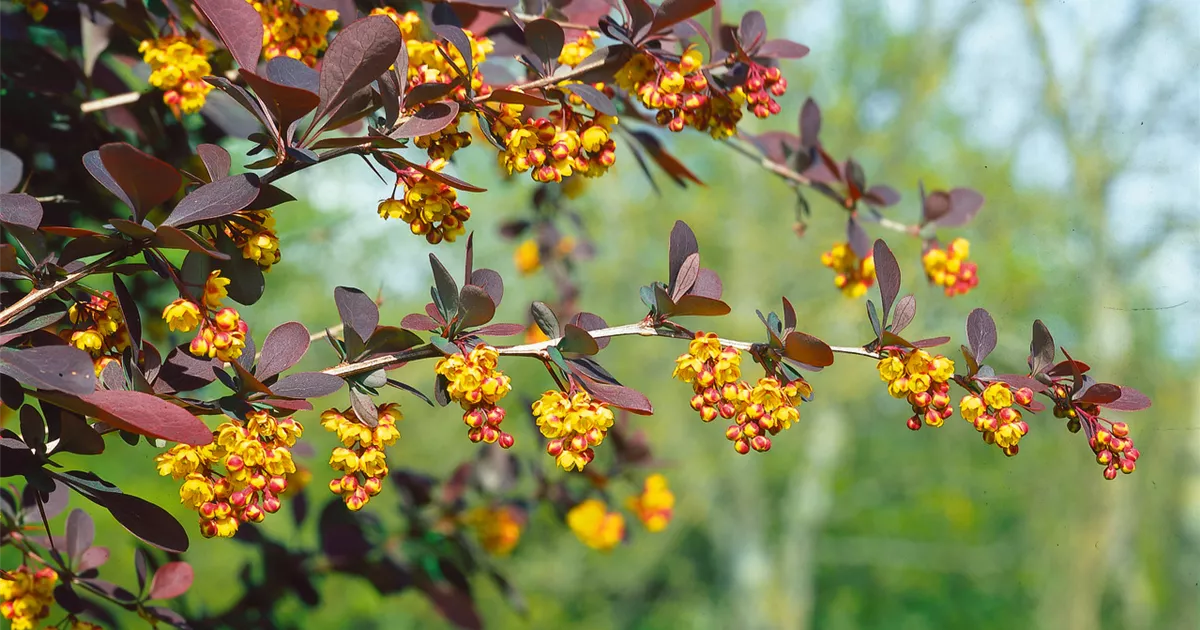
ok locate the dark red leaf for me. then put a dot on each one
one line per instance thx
(857, 237)
(216, 159)
(171, 580)
(752, 31)
(456, 36)
(681, 245)
(882, 196)
(577, 340)
(1101, 394)
(290, 405)
(932, 342)
(140, 413)
(1041, 348)
(489, 281)
(782, 49)
(694, 304)
(1130, 400)
(81, 532)
(20, 209)
(981, 334)
(418, 321)
(307, 385)
(213, 201)
(146, 180)
(517, 98)
(810, 124)
(671, 12)
(501, 330)
(667, 162)
(1068, 368)
(593, 97)
(641, 16)
(591, 322)
(906, 309)
(293, 73)
(129, 310)
(708, 284)
(169, 237)
(475, 306)
(283, 348)
(239, 27)
(620, 396)
(131, 229)
(887, 270)
(61, 368)
(285, 103)
(807, 349)
(686, 278)
(430, 119)
(935, 206)
(357, 311)
(92, 558)
(145, 520)
(965, 203)
(358, 55)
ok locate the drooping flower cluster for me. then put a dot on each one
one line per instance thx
(293, 30)
(178, 65)
(854, 276)
(429, 207)
(994, 415)
(1113, 447)
(362, 458)
(655, 506)
(574, 52)
(27, 597)
(767, 407)
(239, 476)
(528, 256)
(498, 528)
(222, 333)
(950, 268)
(574, 424)
(253, 232)
(595, 526)
(98, 328)
(555, 148)
(922, 379)
(475, 383)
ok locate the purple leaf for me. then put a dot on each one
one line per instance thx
(752, 31)
(857, 237)
(216, 160)
(576, 339)
(174, 238)
(171, 580)
(456, 36)
(146, 180)
(782, 49)
(283, 348)
(285, 103)
(686, 279)
(357, 311)
(789, 315)
(1130, 400)
(906, 309)
(145, 520)
(708, 284)
(428, 120)
(887, 270)
(391, 339)
(620, 396)
(593, 97)
(358, 55)
(183, 372)
(517, 98)
(20, 209)
(672, 12)
(1101, 394)
(307, 385)
(139, 413)
(681, 245)
(882, 196)
(239, 26)
(475, 306)
(641, 16)
(591, 322)
(129, 310)
(419, 321)
(810, 124)
(501, 330)
(293, 73)
(81, 532)
(699, 305)
(807, 349)
(932, 342)
(965, 203)
(92, 558)
(213, 201)
(1041, 348)
(491, 282)
(61, 368)
(981, 334)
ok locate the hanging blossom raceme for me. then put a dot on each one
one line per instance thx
(574, 424)
(293, 30)
(253, 232)
(362, 458)
(27, 597)
(1109, 440)
(921, 378)
(714, 373)
(239, 477)
(178, 65)
(655, 505)
(429, 206)
(854, 276)
(555, 148)
(98, 328)
(475, 383)
(497, 528)
(994, 415)
(949, 267)
(574, 52)
(222, 332)
(595, 526)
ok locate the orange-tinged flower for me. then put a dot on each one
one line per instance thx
(527, 258)
(26, 598)
(595, 526)
(216, 289)
(183, 315)
(949, 267)
(497, 528)
(854, 276)
(655, 505)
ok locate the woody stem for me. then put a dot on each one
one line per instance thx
(37, 295)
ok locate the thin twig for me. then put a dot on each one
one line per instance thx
(37, 295)
(115, 100)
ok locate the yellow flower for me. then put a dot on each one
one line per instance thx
(890, 368)
(972, 407)
(595, 526)
(344, 459)
(498, 529)
(527, 258)
(88, 340)
(196, 491)
(27, 597)
(655, 505)
(998, 396)
(182, 315)
(215, 290)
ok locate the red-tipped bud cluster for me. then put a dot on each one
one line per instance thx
(1109, 440)
(765, 409)
(682, 95)
(762, 86)
(26, 595)
(98, 328)
(574, 424)
(256, 457)
(714, 372)
(949, 267)
(475, 383)
(429, 206)
(923, 380)
(361, 459)
(994, 415)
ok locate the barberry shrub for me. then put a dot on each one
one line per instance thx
(219, 401)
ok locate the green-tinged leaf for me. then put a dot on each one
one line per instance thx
(577, 340)
(446, 288)
(545, 319)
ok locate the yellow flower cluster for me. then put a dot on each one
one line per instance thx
(293, 30)
(554, 148)
(921, 378)
(574, 52)
(222, 331)
(475, 383)
(497, 528)
(178, 65)
(994, 415)
(595, 525)
(362, 458)
(1114, 449)
(655, 506)
(254, 233)
(574, 425)
(98, 328)
(27, 597)
(767, 407)
(429, 207)
(256, 459)
(528, 256)
(950, 268)
(681, 94)
(853, 277)
(35, 8)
